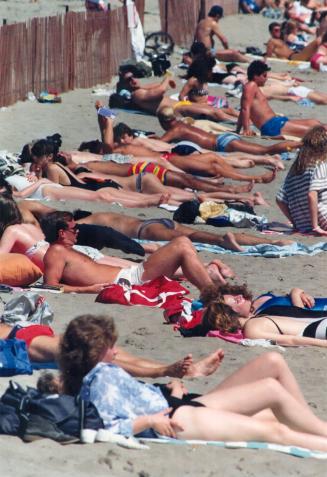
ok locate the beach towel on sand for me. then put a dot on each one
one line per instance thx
(161, 293)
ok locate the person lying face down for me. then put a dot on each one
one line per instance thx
(228, 412)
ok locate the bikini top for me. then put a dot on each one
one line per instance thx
(198, 92)
(282, 306)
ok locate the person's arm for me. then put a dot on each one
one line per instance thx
(186, 89)
(313, 208)
(160, 422)
(285, 209)
(169, 136)
(270, 49)
(8, 240)
(150, 94)
(244, 116)
(53, 173)
(301, 299)
(216, 31)
(54, 264)
(29, 190)
(255, 332)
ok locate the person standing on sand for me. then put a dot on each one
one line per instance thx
(208, 28)
(255, 108)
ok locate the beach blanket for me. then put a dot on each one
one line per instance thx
(262, 250)
(291, 450)
(160, 293)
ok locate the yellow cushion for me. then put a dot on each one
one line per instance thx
(17, 270)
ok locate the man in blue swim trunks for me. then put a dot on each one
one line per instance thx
(255, 108)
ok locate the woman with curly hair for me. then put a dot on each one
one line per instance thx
(303, 196)
(231, 309)
(261, 401)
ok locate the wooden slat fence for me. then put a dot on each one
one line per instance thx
(75, 50)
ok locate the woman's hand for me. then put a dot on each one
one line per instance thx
(307, 300)
(163, 424)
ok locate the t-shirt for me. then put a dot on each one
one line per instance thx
(120, 398)
(294, 193)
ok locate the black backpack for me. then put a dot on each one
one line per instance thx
(70, 414)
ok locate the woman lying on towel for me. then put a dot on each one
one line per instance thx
(260, 402)
(231, 308)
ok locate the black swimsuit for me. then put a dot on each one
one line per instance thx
(92, 184)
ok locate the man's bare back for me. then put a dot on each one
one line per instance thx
(205, 31)
(186, 132)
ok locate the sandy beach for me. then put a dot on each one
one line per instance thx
(142, 330)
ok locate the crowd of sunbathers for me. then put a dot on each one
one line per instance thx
(193, 160)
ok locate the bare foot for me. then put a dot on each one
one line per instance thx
(180, 368)
(151, 247)
(276, 162)
(164, 198)
(230, 242)
(241, 163)
(259, 200)
(206, 366)
(242, 188)
(267, 178)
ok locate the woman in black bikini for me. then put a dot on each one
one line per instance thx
(231, 308)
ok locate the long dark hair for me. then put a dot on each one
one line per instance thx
(201, 69)
(9, 213)
(82, 346)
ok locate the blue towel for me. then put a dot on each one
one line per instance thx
(263, 250)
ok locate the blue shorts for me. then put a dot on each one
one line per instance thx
(274, 126)
(224, 139)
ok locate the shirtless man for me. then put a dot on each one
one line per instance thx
(255, 107)
(228, 142)
(75, 272)
(277, 48)
(208, 28)
(151, 98)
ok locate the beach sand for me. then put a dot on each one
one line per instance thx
(141, 330)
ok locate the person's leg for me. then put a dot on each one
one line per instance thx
(249, 239)
(259, 149)
(307, 52)
(106, 130)
(256, 396)
(178, 253)
(212, 425)
(299, 127)
(199, 109)
(231, 56)
(271, 365)
(44, 348)
(317, 97)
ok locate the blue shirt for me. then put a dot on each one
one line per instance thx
(119, 398)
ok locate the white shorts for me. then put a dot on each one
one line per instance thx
(131, 276)
(300, 91)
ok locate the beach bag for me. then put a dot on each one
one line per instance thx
(70, 414)
(9, 420)
(14, 358)
(28, 309)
